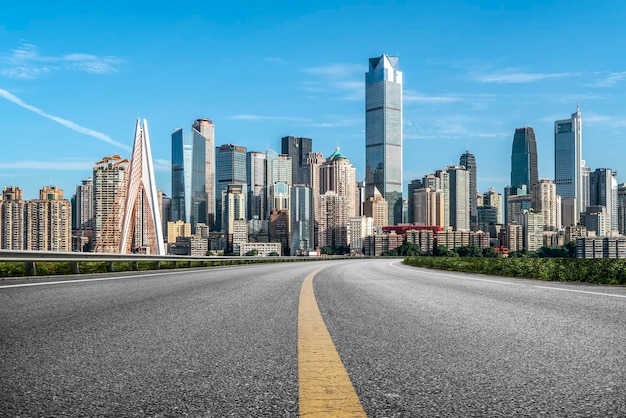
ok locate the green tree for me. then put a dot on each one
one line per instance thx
(441, 251)
(469, 251)
(490, 252)
(273, 254)
(408, 249)
(252, 253)
(326, 250)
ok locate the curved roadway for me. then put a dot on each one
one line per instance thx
(224, 342)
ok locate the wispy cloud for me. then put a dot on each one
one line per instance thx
(345, 79)
(162, 165)
(48, 165)
(410, 96)
(274, 60)
(516, 76)
(26, 62)
(606, 120)
(609, 80)
(448, 129)
(266, 117)
(67, 123)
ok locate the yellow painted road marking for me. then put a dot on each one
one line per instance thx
(325, 388)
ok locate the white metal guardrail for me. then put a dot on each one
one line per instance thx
(31, 258)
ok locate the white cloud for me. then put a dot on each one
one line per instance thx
(515, 76)
(67, 123)
(25, 62)
(48, 165)
(342, 79)
(609, 80)
(265, 117)
(410, 96)
(335, 70)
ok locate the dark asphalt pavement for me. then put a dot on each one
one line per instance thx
(223, 342)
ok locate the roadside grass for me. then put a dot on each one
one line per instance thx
(603, 271)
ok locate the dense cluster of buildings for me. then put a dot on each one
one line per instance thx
(228, 199)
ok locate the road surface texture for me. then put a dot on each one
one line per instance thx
(224, 342)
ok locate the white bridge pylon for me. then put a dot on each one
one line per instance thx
(141, 186)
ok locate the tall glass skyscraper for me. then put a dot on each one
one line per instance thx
(231, 169)
(524, 159)
(193, 174)
(383, 133)
(568, 140)
(298, 149)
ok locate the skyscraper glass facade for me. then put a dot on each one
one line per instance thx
(568, 159)
(383, 132)
(524, 158)
(231, 169)
(298, 149)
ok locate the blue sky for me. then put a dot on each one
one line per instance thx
(75, 76)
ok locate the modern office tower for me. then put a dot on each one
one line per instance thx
(48, 221)
(546, 201)
(568, 159)
(234, 209)
(177, 229)
(312, 178)
(569, 214)
(468, 161)
(516, 204)
(230, 169)
(596, 219)
(413, 186)
(302, 219)
(361, 196)
(298, 149)
(278, 181)
(493, 198)
(84, 206)
(487, 215)
(383, 133)
(110, 180)
(12, 208)
(428, 208)
(621, 208)
(279, 229)
(203, 168)
(513, 191)
(459, 179)
(181, 176)
(524, 158)
(257, 203)
(376, 208)
(532, 229)
(603, 190)
(166, 212)
(359, 227)
(586, 186)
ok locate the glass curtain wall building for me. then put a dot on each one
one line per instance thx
(231, 169)
(181, 176)
(203, 173)
(568, 159)
(524, 158)
(468, 160)
(383, 133)
(298, 149)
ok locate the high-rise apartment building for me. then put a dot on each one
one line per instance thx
(48, 221)
(311, 177)
(568, 160)
(546, 201)
(110, 181)
(621, 208)
(234, 209)
(468, 160)
(376, 208)
(337, 174)
(428, 207)
(524, 158)
(298, 150)
(494, 199)
(231, 169)
(383, 132)
(12, 211)
(84, 206)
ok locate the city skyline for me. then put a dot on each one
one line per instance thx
(66, 102)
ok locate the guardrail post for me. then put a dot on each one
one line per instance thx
(135, 265)
(74, 267)
(31, 268)
(110, 268)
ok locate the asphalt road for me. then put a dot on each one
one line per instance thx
(223, 342)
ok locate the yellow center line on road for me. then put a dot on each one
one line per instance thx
(325, 389)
